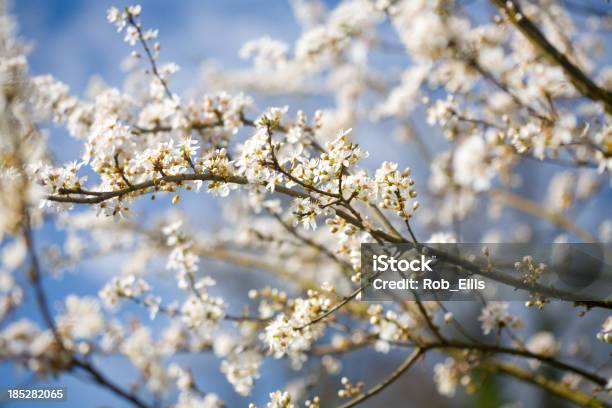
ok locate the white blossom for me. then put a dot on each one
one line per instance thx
(242, 369)
(544, 344)
(495, 316)
(470, 164)
(445, 376)
(82, 318)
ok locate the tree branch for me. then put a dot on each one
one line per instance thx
(412, 358)
(530, 207)
(579, 79)
(97, 197)
(576, 396)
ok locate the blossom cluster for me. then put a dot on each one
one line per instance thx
(294, 333)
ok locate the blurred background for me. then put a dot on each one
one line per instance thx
(72, 41)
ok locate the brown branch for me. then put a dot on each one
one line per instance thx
(517, 283)
(485, 348)
(99, 378)
(412, 358)
(530, 207)
(150, 56)
(34, 277)
(344, 264)
(276, 165)
(473, 63)
(172, 312)
(547, 384)
(553, 362)
(559, 389)
(333, 308)
(379, 235)
(96, 197)
(41, 301)
(579, 79)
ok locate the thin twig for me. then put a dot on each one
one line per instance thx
(530, 207)
(412, 358)
(99, 378)
(150, 56)
(312, 243)
(579, 79)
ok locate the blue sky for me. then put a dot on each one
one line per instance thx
(73, 40)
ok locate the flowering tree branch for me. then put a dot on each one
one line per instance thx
(281, 176)
(410, 360)
(580, 80)
(97, 197)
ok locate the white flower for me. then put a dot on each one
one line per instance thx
(443, 112)
(605, 334)
(280, 399)
(268, 53)
(442, 238)
(319, 41)
(151, 35)
(446, 378)
(544, 344)
(403, 98)
(202, 310)
(495, 315)
(470, 164)
(395, 190)
(242, 369)
(140, 348)
(114, 16)
(293, 335)
(14, 253)
(47, 357)
(188, 399)
(223, 344)
(131, 35)
(421, 29)
(82, 318)
(184, 379)
(305, 212)
(279, 335)
(389, 327)
(134, 10)
(182, 258)
(128, 286)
